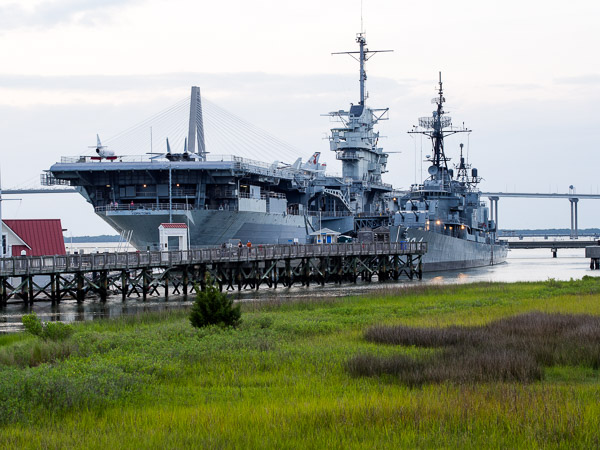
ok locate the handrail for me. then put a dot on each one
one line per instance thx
(45, 265)
(175, 206)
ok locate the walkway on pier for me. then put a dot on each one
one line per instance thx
(175, 272)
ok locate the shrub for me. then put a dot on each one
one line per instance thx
(213, 307)
(55, 331)
(265, 322)
(33, 324)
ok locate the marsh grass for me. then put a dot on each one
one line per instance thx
(510, 349)
(280, 379)
(33, 352)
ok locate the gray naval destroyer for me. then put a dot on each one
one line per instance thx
(446, 210)
(229, 197)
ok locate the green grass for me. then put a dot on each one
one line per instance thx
(280, 379)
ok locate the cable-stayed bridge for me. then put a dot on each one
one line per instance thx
(219, 133)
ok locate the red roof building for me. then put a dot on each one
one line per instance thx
(36, 237)
(173, 225)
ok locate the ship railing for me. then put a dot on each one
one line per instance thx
(240, 163)
(41, 265)
(164, 206)
(98, 160)
(144, 206)
(248, 195)
(151, 193)
(374, 214)
(328, 213)
(263, 195)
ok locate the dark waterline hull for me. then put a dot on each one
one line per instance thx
(451, 253)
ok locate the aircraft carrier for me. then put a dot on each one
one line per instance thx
(230, 197)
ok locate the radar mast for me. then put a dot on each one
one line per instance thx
(362, 56)
(437, 127)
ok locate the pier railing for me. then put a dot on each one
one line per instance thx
(40, 265)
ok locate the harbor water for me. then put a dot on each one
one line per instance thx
(521, 265)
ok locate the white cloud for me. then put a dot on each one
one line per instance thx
(50, 13)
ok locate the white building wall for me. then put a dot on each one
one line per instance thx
(9, 238)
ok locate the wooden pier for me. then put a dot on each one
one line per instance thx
(143, 274)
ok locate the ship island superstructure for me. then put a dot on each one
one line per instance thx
(224, 198)
(356, 144)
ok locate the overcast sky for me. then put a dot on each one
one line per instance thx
(524, 76)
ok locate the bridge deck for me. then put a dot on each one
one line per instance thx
(552, 244)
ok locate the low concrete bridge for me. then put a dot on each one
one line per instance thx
(551, 244)
(571, 196)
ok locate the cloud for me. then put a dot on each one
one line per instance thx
(31, 90)
(517, 86)
(52, 13)
(590, 79)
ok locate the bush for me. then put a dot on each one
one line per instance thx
(33, 325)
(213, 307)
(55, 331)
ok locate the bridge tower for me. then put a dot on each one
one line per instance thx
(196, 126)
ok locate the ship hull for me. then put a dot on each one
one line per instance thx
(451, 253)
(209, 228)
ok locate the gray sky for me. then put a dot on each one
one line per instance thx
(523, 75)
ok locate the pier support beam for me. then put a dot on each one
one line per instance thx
(124, 285)
(80, 293)
(3, 293)
(185, 281)
(103, 285)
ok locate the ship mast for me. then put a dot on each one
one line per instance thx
(364, 54)
(437, 127)
(438, 136)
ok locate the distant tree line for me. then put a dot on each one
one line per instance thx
(101, 238)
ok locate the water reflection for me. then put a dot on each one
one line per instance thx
(522, 265)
